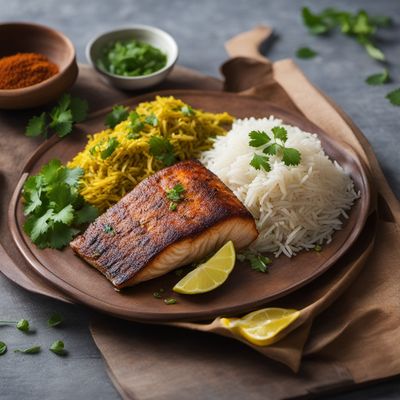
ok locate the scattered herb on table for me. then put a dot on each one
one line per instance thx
(3, 348)
(60, 119)
(118, 114)
(22, 324)
(30, 350)
(258, 262)
(169, 301)
(57, 347)
(306, 53)
(394, 97)
(162, 150)
(176, 195)
(55, 210)
(274, 145)
(55, 320)
(131, 58)
(378, 79)
(360, 25)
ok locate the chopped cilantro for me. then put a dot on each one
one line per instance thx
(187, 111)
(151, 120)
(112, 144)
(378, 79)
(258, 262)
(394, 97)
(259, 161)
(107, 228)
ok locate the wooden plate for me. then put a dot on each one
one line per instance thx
(245, 289)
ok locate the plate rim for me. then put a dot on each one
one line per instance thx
(124, 312)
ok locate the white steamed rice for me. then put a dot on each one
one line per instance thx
(295, 207)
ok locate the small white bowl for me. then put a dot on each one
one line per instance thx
(144, 33)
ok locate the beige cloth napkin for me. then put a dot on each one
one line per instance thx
(348, 331)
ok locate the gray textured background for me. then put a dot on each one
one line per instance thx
(200, 28)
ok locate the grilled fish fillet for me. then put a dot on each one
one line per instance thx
(140, 238)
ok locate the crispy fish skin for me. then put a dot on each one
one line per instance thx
(140, 238)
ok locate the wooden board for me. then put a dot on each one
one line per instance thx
(245, 289)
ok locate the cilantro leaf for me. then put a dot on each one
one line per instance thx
(394, 97)
(3, 348)
(187, 111)
(72, 176)
(258, 138)
(30, 350)
(61, 122)
(373, 51)
(162, 150)
(79, 109)
(291, 156)
(86, 214)
(57, 347)
(306, 53)
(37, 126)
(280, 133)
(272, 149)
(55, 320)
(378, 79)
(64, 102)
(151, 120)
(136, 125)
(50, 171)
(259, 162)
(60, 235)
(112, 144)
(37, 226)
(315, 23)
(66, 215)
(118, 114)
(258, 262)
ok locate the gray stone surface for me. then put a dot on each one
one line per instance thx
(200, 28)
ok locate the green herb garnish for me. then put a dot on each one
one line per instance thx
(112, 144)
(57, 347)
(118, 114)
(162, 150)
(157, 295)
(55, 320)
(378, 79)
(131, 58)
(70, 110)
(394, 97)
(22, 324)
(187, 111)
(258, 262)
(3, 348)
(170, 301)
(306, 53)
(55, 210)
(276, 147)
(176, 195)
(151, 120)
(136, 125)
(361, 26)
(30, 350)
(107, 228)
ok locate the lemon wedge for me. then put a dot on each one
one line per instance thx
(211, 274)
(261, 327)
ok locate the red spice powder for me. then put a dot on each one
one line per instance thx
(25, 69)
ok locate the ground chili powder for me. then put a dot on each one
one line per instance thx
(25, 69)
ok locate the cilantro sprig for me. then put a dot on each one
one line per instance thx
(258, 262)
(118, 114)
(379, 78)
(69, 111)
(306, 53)
(55, 210)
(274, 145)
(360, 25)
(394, 97)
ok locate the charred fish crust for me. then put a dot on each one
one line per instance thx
(136, 233)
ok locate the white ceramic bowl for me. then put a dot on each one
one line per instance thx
(144, 33)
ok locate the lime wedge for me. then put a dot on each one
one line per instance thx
(210, 275)
(261, 327)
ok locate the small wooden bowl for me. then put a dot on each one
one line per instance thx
(32, 38)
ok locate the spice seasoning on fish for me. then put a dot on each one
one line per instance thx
(25, 69)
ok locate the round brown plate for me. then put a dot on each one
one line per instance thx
(245, 289)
